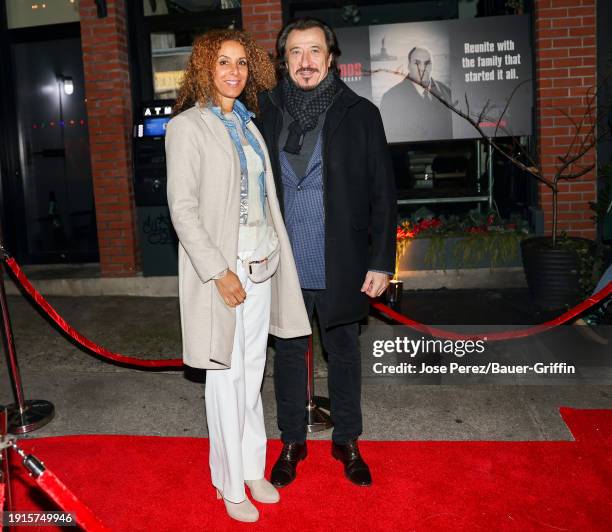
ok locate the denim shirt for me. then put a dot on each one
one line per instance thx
(244, 116)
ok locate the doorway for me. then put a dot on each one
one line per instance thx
(57, 190)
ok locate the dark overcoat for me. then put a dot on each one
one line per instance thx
(358, 193)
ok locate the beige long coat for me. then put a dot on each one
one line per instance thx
(204, 201)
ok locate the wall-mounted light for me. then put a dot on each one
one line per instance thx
(66, 84)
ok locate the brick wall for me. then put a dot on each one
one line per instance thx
(263, 19)
(566, 68)
(109, 110)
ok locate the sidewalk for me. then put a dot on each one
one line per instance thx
(95, 397)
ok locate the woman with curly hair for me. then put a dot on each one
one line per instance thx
(237, 276)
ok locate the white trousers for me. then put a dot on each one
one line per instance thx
(234, 411)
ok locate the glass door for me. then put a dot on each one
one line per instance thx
(60, 223)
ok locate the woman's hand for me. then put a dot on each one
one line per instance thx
(231, 290)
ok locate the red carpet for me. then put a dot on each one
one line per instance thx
(158, 484)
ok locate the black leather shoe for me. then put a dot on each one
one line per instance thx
(284, 469)
(355, 469)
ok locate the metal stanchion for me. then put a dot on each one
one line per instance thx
(316, 418)
(22, 416)
(4, 465)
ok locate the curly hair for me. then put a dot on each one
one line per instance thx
(198, 85)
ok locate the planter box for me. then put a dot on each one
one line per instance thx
(419, 272)
(419, 256)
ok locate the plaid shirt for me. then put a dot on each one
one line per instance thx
(305, 217)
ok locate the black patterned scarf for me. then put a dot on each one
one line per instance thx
(305, 107)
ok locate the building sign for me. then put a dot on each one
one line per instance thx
(153, 120)
(481, 66)
(157, 110)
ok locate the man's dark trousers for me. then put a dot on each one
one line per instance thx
(344, 368)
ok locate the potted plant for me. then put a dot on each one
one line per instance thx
(558, 267)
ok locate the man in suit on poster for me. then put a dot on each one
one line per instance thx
(409, 110)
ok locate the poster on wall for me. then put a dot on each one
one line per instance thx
(481, 66)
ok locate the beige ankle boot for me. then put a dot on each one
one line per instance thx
(263, 491)
(240, 511)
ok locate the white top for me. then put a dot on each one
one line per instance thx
(250, 235)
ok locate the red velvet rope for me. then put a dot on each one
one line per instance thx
(396, 316)
(76, 335)
(502, 335)
(68, 502)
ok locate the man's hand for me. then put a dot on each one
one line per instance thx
(231, 290)
(375, 283)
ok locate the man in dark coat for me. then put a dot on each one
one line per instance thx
(335, 181)
(409, 110)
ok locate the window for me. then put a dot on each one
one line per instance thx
(27, 13)
(162, 34)
(168, 62)
(369, 13)
(172, 7)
